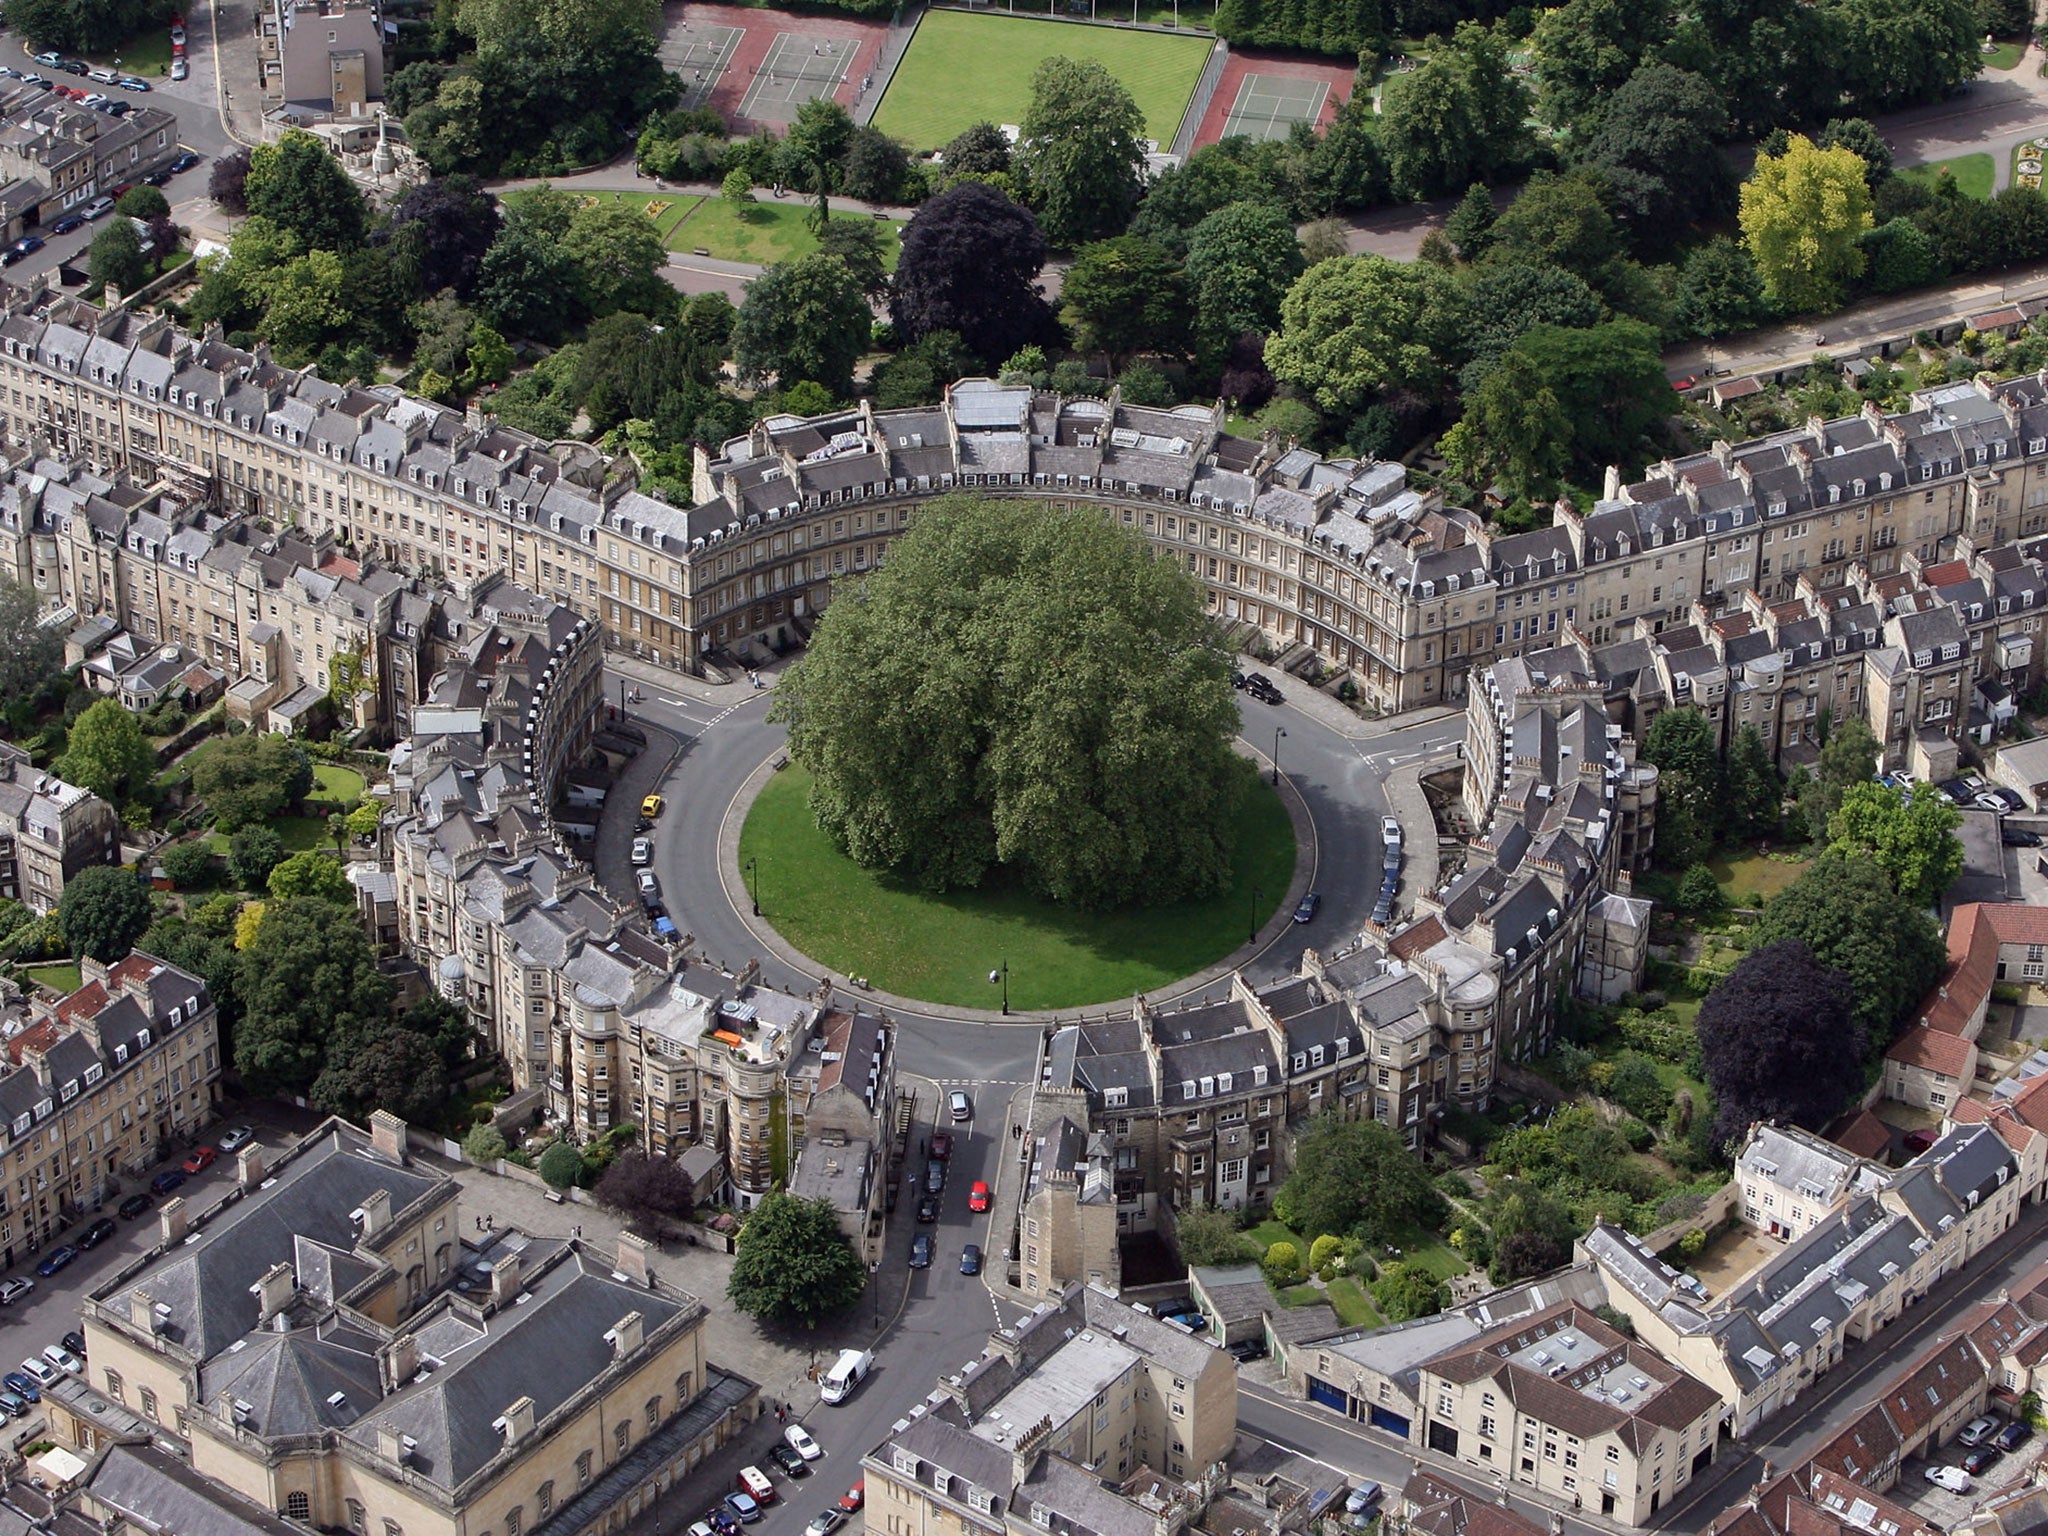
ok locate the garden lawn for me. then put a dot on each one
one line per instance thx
(941, 948)
(1272, 1230)
(1428, 1252)
(59, 978)
(769, 231)
(297, 833)
(1973, 173)
(1354, 1307)
(2004, 55)
(336, 787)
(927, 102)
(147, 53)
(1747, 874)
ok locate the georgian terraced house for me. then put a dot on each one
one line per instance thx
(1908, 513)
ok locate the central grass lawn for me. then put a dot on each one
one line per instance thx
(297, 833)
(1973, 173)
(147, 53)
(940, 949)
(962, 69)
(1747, 874)
(1272, 1230)
(59, 978)
(772, 230)
(335, 786)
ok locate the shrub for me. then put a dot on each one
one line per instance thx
(1283, 1263)
(1699, 891)
(189, 866)
(484, 1144)
(1569, 1064)
(561, 1165)
(1454, 1186)
(1693, 1244)
(1322, 1251)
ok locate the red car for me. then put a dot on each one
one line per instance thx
(200, 1160)
(855, 1496)
(942, 1145)
(977, 1197)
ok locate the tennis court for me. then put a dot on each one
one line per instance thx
(698, 53)
(798, 68)
(1268, 106)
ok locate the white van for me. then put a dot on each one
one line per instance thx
(847, 1373)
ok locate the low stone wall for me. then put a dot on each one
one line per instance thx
(1721, 1205)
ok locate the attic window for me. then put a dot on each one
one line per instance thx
(1115, 1098)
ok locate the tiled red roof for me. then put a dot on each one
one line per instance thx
(39, 1036)
(1937, 1052)
(1418, 938)
(84, 1003)
(1865, 1135)
(1947, 574)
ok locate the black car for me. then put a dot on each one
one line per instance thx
(2019, 837)
(934, 1176)
(73, 67)
(184, 163)
(1311, 904)
(29, 244)
(921, 1251)
(1247, 1350)
(790, 1463)
(75, 1342)
(2012, 1437)
(1265, 693)
(928, 1208)
(158, 178)
(97, 1233)
(1237, 679)
(1382, 910)
(1980, 1459)
(970, 1259)
(134, 1206)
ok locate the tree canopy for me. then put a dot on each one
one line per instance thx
(1690, 790)
(107, 753)
(1356, 1178)
(311, 873)
(969, 264)
(1780, 1041)
(1357, 325)
(1848, 756)
(792, 1264)
(652, 1193)
(102, 912)
(31, 652)
(311, 995)
(1803, 215)
(1847, 912)
(1081, 150)
(803, 319)
(245, 780)
(973, 706)
(297, 185)
(1910, 837)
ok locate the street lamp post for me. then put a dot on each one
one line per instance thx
(1279, 734)
(754, 884)
(1002, 974)
(1253, 921)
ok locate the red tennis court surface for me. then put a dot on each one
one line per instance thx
(733, 47)
(1267, 92)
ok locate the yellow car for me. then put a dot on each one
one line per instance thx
(651, 806)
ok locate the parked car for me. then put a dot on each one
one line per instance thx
(855, 1496)
(651, 807)
(722, 1520)
(754, 1483)
(1390, 831)
(1978, 1430)
(1265, 693)
(1979, 1461)
(134, 1206)
(97, 1233)
(1383, 909)
(71, 66)
(2019, 837)
(791, 1464)
(103, 76)
(22, 1386)
(959, 1106)
(186, 161)
(1954, 1479)
(1311, 904)
(199, 1159)
(825, 1522)
(13, 1290)
(236, 1137)
(1362, 1498)
(934, 1176)
(130, 83)
(744, 1507)
(643, 851)
(68, 223)
(49, 58)
(970, 1259)
(978, 1196)
(179, 69)
(14, 1407)
(98, 208)
(927, 1208)
(11, 255)
(71, 1365)
(649, 885)
(801, 1442)
(942, 1145)
(40, 1370)
(1955, 791)
(921, 1251)
(56, 1259)
(1244, 1351)
(166, 1181)
(75, 1342)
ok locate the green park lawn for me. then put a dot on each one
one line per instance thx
(297, 833)
(941, 948)
(2004, 56)
(927, 105)
(59, 978)
(1973, 173)
(769, 231)
(1746, 876)
(335, 787)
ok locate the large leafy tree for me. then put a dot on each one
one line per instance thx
(1658, 147)
(31, 652)
(102, 912)
(803, 319)
(1691, 788)
(973, 705)
(439, 234)
(1756, 791)
(1719, 290)
(1242, 259)
(378, 1063)
(311, 873)
(969, 265)
(1847, 912)
(245, 780)
(1081, 150)
(1848, 756)
(652, 1193)
(1912, 838)
(1356, 1178)
(1346, 28)
(1505, 297)
(1125, 295)
(1355, 326)
(1206, 1235)
(1803, 215)
(1429, 128)
(116, 260)
(107, 753)
(1780, 1041)
(312, 996)
(299, 186)
(1560, 220)
(1895, 53)
(619, 258)
(81, 26)
(1586, 49)
(792, 1264)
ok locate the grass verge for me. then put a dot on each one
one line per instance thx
(940, 949)
(767, 232)
(1973, 173)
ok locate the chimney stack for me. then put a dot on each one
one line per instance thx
(171, 1220)
(504, 1280)
(625, 1337)
(274, 1291)
(387, 1137)
(142, 1311)
(632, 1261)
(401, 1362)
(373, 1215)
(249, 1166)
(517, 1421)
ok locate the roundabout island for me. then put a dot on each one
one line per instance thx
(940, 948)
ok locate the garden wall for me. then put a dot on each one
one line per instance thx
(1721, 1205)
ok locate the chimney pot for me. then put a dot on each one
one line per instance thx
(171, 1220)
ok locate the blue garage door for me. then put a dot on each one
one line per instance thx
(1392, 1423)
(1320, 1391)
